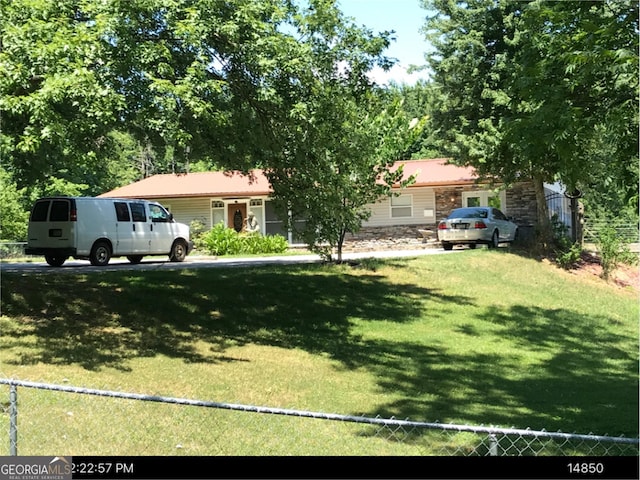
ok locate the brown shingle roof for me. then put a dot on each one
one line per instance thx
(202, 184)
(434, 172)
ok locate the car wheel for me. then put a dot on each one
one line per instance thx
(494, 240)
(135, 259)
(447, 246)
(100, 254)
(178, 251)
(55, 260)
(473, 246)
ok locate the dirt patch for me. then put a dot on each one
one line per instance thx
(624, 276)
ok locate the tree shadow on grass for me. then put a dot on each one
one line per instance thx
(108, 319)
(586, 380)
(584, 375)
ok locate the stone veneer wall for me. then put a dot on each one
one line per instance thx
(521, 203)
(521, 200)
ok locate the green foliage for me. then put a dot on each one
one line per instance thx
(14, 216)
(56, 107)
(540, 90)
(418, 102)
(613, 250)
(221, 240)
(101, 93)
(567, 253)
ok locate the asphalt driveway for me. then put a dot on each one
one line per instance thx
(154, 263)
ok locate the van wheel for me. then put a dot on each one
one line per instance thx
(54, 260)
(135, 259)
(100, 254)
(178, 251)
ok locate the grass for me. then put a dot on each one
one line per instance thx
(482, 337)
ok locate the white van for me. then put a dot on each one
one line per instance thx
(97, 229)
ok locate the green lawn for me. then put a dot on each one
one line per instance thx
(481, 337)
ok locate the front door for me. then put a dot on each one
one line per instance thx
(161, 229)
(236, 215)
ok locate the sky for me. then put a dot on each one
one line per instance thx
(406, 18)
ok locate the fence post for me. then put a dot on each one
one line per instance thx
(493, 445)
(13, 420)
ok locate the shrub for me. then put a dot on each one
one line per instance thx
(274, 244)
(613, 250)
(197, 230)
(570, 256)
(221, 240)
(567, 253)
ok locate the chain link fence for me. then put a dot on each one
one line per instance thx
(44, 419)
(627, 232)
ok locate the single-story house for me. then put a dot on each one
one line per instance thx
(213, 197)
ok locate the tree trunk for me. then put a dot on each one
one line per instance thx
(543, 227)
(339, 245)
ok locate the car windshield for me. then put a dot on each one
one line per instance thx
(469, 213)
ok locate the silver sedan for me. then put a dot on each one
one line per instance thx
(476, 225)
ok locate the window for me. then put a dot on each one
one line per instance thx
(59, 211)
(473, 202)
(122, 212)
(217, 212)
(158, 214)
(402, 206)
(494, 201)
(137, 212)
(40, 210)
(484, 198)
(498, 214)
(274, 226)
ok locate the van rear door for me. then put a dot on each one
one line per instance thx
(52, 223)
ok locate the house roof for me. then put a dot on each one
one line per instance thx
(435, 172)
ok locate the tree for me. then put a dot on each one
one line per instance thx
(235, 84)
(183, 77)
(337, 137)
(347, 167)
(55, 108)
(417, 102)
(526, 89)
(13, 221)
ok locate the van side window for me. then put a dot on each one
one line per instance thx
(137, 212)
(40, 210)
(158, 214)
(122, 212)
(59, 211)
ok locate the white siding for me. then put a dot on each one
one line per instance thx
(185, 210)
(423, 207)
